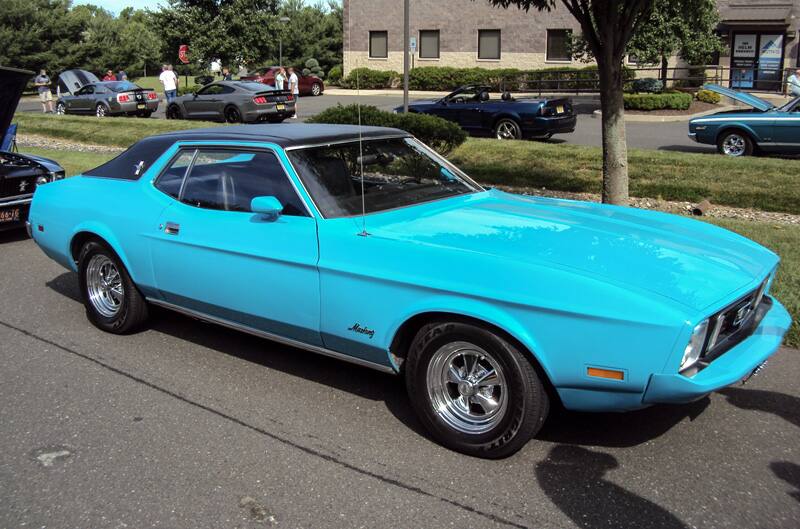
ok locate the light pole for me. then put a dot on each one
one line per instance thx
(406, 38)
(283, 20)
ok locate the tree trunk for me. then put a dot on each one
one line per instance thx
(615, 149)
(664, 65)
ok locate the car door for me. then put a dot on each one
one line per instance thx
(214, 256)
(83, 101)
(203, 104)
(786, 128)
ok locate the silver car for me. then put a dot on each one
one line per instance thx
(234, 102)
(109, 98)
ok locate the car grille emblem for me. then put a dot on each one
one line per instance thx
(741, 314)
(23, 186)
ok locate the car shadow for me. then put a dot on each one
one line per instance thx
(701, 149)
(574, 480)
(563, 427)
(787, 407)
(15, 235)
(617, 430)
(790, 473)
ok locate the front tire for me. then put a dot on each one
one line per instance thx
(507, 129)
(174, 112)
(113, 303)
(475, 392)
(61, 109)
(735, 143)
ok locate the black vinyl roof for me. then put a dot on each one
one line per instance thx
(130, 164)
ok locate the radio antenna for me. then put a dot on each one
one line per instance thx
(364, 232)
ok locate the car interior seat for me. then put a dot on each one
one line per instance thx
(336, 176)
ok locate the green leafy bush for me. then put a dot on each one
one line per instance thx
(183, 90)
(707, 96)
(312, 68)
(370, 79)
(335, 74)
(438, 133)
(648, 85)
(665, 100)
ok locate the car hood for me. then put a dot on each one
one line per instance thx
(691, 262)
(742, 97)
(12, 83)
(70, 81)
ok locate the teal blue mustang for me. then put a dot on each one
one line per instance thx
(365, 245)
(761, 128)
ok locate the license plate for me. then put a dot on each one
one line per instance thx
(9, 215)
(560, 109)
(141, 106)
(280, 107)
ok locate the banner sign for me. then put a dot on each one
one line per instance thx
(183, 53)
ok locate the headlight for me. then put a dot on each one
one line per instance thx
(42, 180)
(695, 346)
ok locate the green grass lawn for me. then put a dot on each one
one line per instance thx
(782, 239)
(151, 81)
(769, 184)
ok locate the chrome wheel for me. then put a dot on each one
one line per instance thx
(61, 109)
(507, 130)
(734, 145)
(315, 89)
(104, 286)
(100, 111)
(467, 388)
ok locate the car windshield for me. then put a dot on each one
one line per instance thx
(397, 172)
(121, 86)
(254, 87)
(791, 106)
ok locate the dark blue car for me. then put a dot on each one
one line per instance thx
(504, 116)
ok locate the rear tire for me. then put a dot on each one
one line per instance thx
(462, 404)
(146, 114)
(735, 143)
(507, 129)
(113, 303)
(233, 115)
(100, 110)
(316, 89)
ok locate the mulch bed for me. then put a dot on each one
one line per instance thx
(694, 108)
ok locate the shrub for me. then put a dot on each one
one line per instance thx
(666, 100)
(312, 68)
(648, 85)
(335, 74)
(183, 90)
(370, 79)
(707, 96)
(438, 133)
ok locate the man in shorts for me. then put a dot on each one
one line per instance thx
(42, 83)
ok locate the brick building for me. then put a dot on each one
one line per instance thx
(762, 37)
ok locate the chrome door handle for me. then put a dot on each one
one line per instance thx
(172, 228)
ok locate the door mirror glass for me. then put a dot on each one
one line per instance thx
(269, 207)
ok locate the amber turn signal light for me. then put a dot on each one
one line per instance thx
(605, 373)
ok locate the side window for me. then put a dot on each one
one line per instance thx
(170, 180)
(86, 90)
(212, 90)
(228, 180)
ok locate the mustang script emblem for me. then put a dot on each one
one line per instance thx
(362, 330)
(23, 186)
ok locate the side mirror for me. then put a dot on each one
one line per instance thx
(268, 207)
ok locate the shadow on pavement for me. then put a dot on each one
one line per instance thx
(573, 479)
(617, 430)
(787, 407)
(15, 235)
(790, 473)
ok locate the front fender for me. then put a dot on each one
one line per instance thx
(738, 125)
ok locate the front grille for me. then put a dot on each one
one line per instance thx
(735, 322)
(17, 187)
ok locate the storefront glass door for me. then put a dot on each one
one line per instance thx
(756, 61)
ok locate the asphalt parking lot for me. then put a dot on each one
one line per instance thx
(189, 425)
(665, 136)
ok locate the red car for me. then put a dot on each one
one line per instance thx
(309, 84)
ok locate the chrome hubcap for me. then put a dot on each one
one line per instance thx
(315, 90)
(60, 109)
(506, 131)
(104, 285)
(467, 388)
(101, 111)
(733, 145)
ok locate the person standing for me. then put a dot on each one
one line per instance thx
(42, 83)
(226, 75)
(294, 86)
(793, 83)
(110, 76)
(170, 82)
(122, 75)
(280, 79)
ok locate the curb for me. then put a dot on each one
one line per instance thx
(641, 118)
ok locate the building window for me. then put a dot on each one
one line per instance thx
(558, 44)
(489, 44)
(429, 44)
(378, 44)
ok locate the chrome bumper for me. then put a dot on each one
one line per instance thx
(29, 229)
(693, 136)
(17, 202)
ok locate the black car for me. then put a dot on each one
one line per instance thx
(505, 116)
(19, 173)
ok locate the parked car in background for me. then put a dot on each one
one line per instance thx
(20, 174)
(762, 128)
(234, 102)
(504, 116)
(309, 85)
(365, 245)
(109, 98)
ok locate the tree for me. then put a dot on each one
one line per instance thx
(683, 27)
(607, 27)
(313, 31)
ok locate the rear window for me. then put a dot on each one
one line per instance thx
(254, 87)
(122, 86)
(132, 163)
